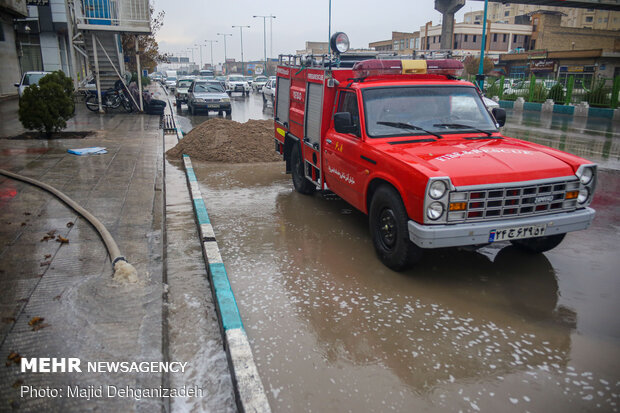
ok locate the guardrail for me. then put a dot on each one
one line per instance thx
(113, 15)
(598, 92)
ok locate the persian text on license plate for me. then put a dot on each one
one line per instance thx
(213, 105)
(506, 234)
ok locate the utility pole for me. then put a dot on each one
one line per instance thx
(241, 31)
(225, 63)
(200, 46)
(211, 42)
(265, 36)
(480, 76)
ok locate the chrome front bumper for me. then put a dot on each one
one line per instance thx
(439, 236)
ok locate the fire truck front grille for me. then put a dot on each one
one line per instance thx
(510, 202)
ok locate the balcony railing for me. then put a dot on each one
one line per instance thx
(113, 15)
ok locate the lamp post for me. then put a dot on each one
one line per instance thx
(265, 36)
(211, 42)
(480, 77)
(225, 63)
(241, 31)
(200, 47)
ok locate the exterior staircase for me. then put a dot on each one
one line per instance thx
(111, 45)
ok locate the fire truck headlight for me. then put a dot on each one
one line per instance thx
(586, 173)
(583, 196)
(434, 211)
(437, 189)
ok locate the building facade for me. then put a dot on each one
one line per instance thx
(9, 56)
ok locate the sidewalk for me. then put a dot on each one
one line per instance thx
(87, 315)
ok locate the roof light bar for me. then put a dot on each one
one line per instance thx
(380, 67)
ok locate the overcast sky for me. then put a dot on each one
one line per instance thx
(190, 22)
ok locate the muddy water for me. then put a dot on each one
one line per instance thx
(332, 329)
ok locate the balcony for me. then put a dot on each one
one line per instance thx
(113, 15)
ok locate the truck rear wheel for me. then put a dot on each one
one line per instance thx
(301, 184)
(388, 228)
(538, 244)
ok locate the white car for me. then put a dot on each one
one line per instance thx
(29, 78)
(236, 83)
(269, 91)
(259, 82)
(171, 83)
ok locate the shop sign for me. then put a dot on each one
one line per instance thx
(542, 66)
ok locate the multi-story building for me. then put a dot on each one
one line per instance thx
(571, 16)
(401, 42)
(9, 60)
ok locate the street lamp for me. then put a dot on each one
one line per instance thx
(241, 31)
(211, 42)
(265, 36)
(200, 46)
(225, 63)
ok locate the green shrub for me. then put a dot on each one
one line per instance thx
(557, 94)
(495, 88)
(46, 107)
(510, 96)
(598, 96)
(540, 93)
(145, 79)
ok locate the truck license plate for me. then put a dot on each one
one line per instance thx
(506, 234)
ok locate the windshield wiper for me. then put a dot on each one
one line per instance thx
(403, 125)
(462, 126)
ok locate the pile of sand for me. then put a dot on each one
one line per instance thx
(224, 140)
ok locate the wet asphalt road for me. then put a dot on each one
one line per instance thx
(332, 329)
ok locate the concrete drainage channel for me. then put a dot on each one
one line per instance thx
(248, 389)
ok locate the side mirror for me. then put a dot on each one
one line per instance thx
(16, 84)
(500, 115)
(343, 123)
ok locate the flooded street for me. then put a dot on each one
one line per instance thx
(332, 329)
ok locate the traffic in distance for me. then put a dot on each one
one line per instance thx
(417, 149)
(207, 93)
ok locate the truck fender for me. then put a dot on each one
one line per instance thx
(406, 196)
(289, 143)
(374, 183)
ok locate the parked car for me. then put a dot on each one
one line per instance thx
(259, 82)
(182, 88)
(269, 91)
(29, 78)
(208, 95)
(236, 83)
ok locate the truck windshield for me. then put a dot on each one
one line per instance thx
(437, 109)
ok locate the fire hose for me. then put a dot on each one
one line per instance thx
(123, 271)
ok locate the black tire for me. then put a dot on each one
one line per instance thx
(178, 104)
(301, 184)
(538, 244)
(92, 103)
(190, 109)
(127, 106)
(228, 112)
(389, 230)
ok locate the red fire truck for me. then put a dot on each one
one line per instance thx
(415, 148)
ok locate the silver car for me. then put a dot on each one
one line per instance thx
(208, 96)
(180, 94)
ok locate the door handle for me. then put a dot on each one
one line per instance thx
(329, 141)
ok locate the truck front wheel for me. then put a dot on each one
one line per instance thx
(388, 228)
(301, 184)
(538, 244)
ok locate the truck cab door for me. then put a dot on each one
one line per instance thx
(343, 169)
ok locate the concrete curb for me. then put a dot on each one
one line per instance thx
(249, 391)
